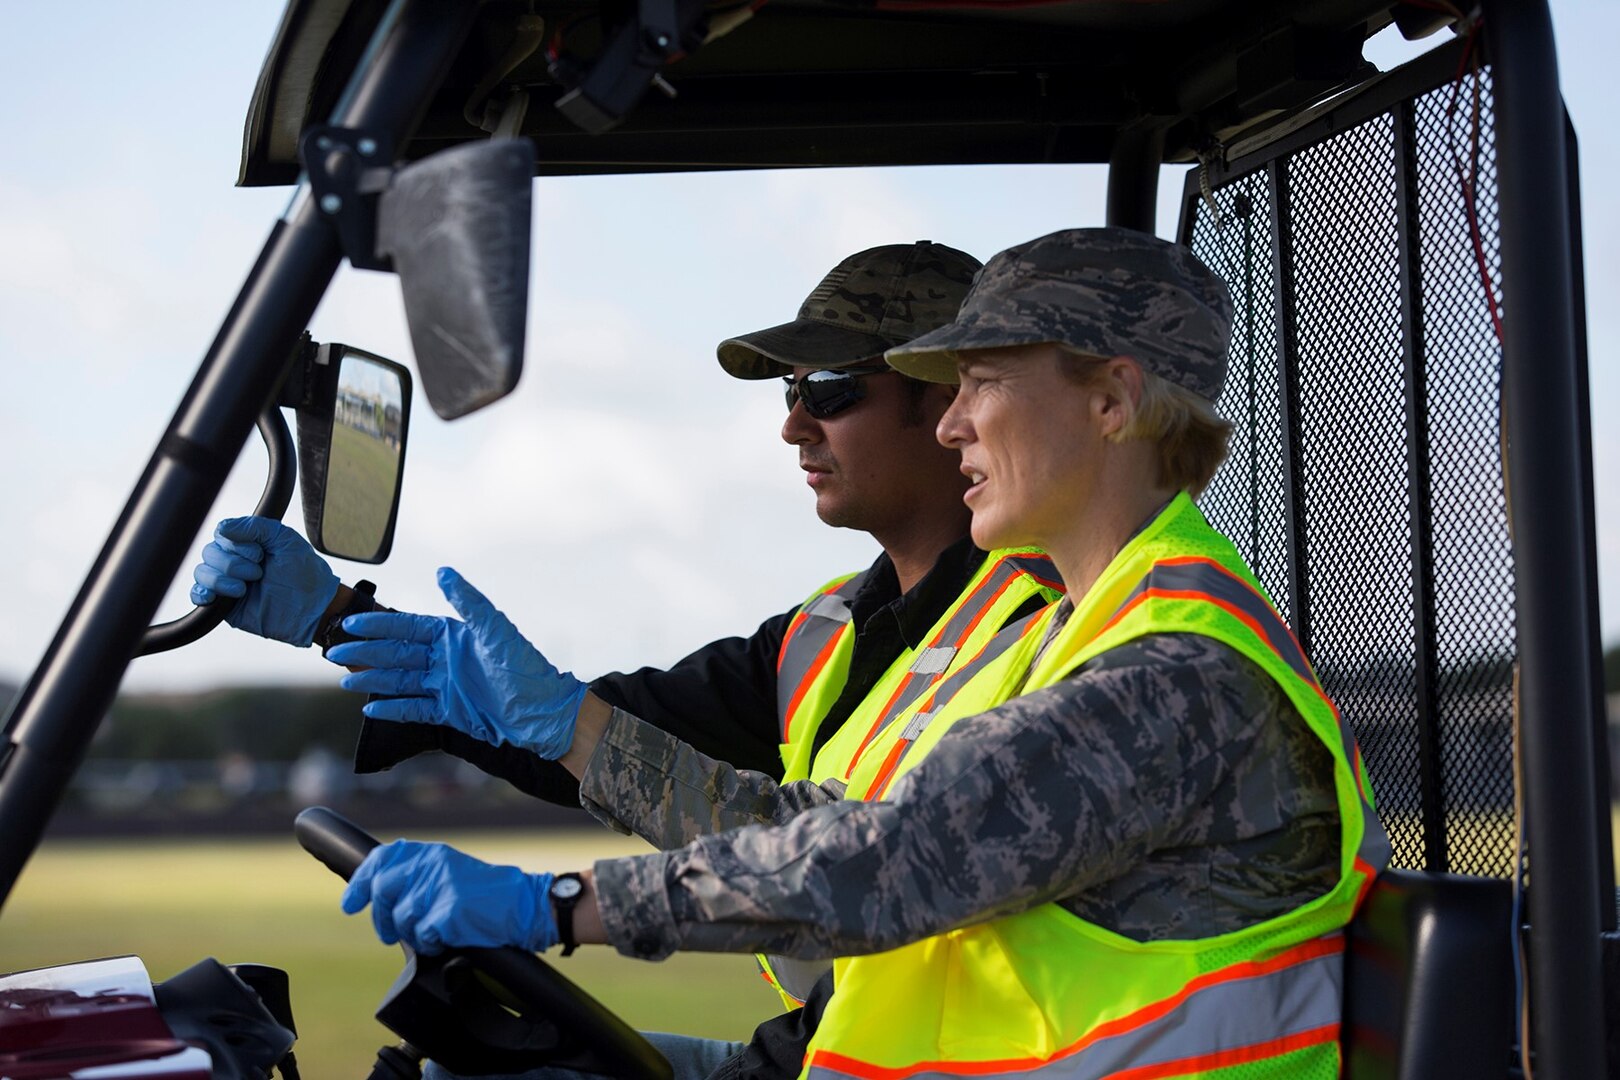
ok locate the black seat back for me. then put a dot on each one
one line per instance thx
(1429, 979)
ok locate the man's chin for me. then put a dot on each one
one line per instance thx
(838, 514)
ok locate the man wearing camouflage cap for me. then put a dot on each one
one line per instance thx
(770, 702)
(864, 437)
(1129, 843)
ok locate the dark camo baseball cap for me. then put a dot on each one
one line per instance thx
(872, 301)
(1107, 292)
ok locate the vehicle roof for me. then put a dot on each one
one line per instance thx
(864, 82)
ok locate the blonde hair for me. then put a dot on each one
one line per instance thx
(1191, 436)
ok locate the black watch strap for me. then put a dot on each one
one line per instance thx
(565, 892)
(330, 632)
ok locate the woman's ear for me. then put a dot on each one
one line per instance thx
(1118, 391)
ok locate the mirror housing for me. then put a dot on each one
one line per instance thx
(455, 227)
(352, 427)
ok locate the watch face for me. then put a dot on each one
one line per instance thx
(566, 888)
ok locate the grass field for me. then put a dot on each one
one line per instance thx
(359, 491)
(263, 900)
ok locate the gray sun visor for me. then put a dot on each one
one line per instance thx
(456, 227)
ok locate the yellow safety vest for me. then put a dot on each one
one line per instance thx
(814, 663)
(1045, 993)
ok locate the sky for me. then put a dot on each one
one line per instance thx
(628, 501)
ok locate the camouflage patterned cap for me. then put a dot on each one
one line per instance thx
(1106, 292)
(873, 300)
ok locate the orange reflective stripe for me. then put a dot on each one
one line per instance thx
(877, 725)
(1294, 657)
(999, 578)
(827, 1059)
(1025, 564)
(1241, 1055)
(886, 773)
(1246, 617)
(787, 638)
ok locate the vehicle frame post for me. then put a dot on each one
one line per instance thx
(54, 718)
(1551, 537)
(1133, 178)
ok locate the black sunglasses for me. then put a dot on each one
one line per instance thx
(830, 391)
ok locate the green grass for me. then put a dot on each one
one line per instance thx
(359, 491)
(263, 900)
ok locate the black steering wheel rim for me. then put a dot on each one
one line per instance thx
(556, 1022)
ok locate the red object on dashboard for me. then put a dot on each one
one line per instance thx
(99, 1015)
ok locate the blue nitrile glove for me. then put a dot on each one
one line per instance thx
(433, 897)
(479, 676)
(283, 586)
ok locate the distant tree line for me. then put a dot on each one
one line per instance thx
(245, 759)
(280, 723)
(267, 723)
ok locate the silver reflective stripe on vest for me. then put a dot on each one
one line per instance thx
(798, 977)
(933, 660)
(1227, 1016)
(915, 726)
(820, 620)
(829, 606)
(962, 623)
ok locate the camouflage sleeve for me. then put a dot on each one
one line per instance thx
(1042, 798)
(645, 781)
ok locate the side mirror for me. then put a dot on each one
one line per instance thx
(351, 452)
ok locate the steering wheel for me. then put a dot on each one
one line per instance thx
(479, 1011)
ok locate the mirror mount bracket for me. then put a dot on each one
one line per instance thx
(298, 389)
(348, 168)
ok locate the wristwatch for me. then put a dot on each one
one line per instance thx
(566, 889)
(330, 631)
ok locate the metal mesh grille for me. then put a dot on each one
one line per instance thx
(1247, 500)
(1358, 529)
(1343, 507)
(1473, 584)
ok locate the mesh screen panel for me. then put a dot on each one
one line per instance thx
(1473, 591)
(1382, 539)
(1247, 500)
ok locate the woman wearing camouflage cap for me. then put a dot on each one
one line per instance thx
(1126, 846)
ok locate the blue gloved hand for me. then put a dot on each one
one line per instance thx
(433, 897)
(283, 587)
(480, 676)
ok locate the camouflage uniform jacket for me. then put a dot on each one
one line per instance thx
(1167, 789)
